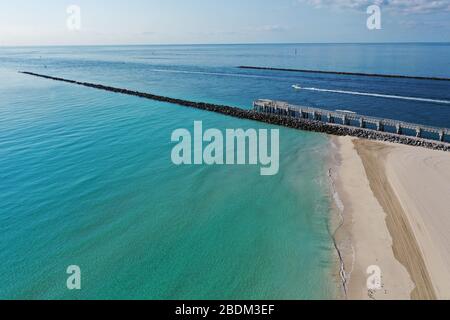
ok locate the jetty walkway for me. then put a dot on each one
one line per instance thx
(351, 119)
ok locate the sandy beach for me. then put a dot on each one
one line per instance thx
(394, 200)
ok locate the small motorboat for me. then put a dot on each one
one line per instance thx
(297, 87)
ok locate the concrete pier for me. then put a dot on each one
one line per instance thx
(346, 118)
(362, 123)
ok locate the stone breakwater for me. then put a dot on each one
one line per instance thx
(279, 120)
(360, 74)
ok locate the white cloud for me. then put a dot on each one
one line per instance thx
(402, 6)
(272, 28)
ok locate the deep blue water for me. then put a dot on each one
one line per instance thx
(209, 73)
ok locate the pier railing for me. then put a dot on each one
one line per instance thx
(348, 119)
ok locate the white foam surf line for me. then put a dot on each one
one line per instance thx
(379, 95)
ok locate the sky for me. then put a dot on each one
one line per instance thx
(107, 22)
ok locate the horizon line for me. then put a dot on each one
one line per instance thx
(220, 44)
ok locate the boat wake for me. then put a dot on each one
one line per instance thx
(221, 74)
(378, 95)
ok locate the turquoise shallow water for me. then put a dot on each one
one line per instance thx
(87, 180)
(86, 177)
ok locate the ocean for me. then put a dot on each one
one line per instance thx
(87, 179)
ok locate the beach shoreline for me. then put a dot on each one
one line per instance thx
(340, 239)
(383, 216)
